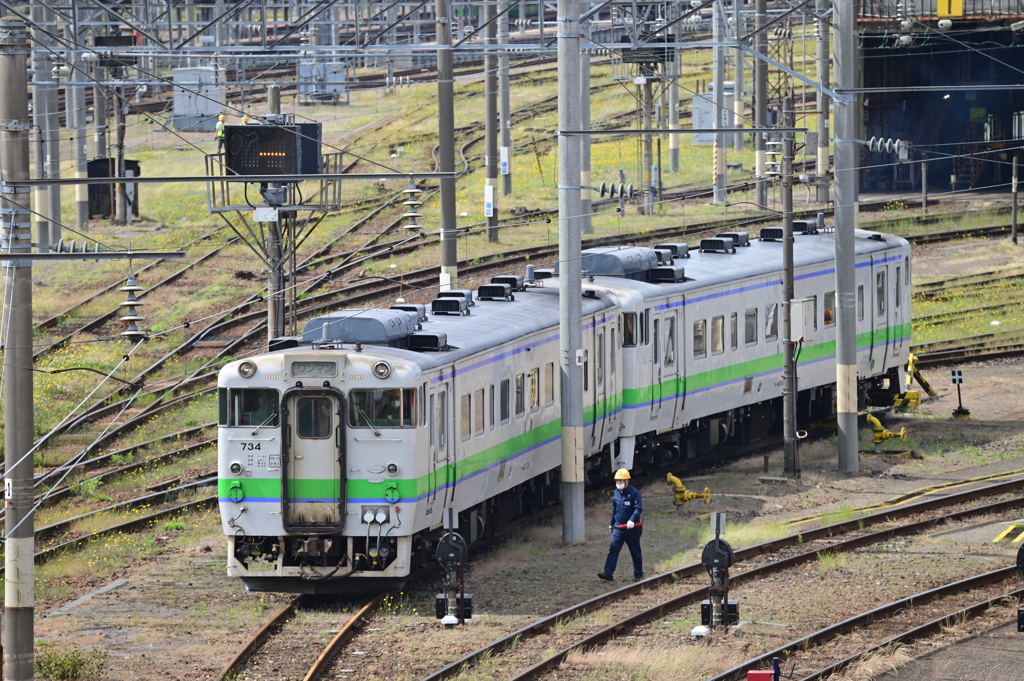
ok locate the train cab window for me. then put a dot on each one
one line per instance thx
(534, 388)
(520, 394)
(699, 350)
(249, 407)
(896, 301)
(478, 412)
(734, 325)
(549, 382)
(314, 420)
(771, 322)
(880, 293)
(829, 302)
(670, 342)
(750, 326)
(657, 344)
(629, 330)
(860, 302)
(385, 408)
(717, 335)
(503, 391)
(465, 416)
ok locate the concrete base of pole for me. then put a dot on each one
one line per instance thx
(762, 192)
(573, 511)
(19, 636)
(673, 159)
(449, 277)
(586, 215)
(849, 461)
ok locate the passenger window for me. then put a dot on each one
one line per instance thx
(315, 421)
(433, 435)
(442, 420)
(896, 302)
(503, 400)
(880, 293)
(611, 356)
(464, 421)
(734, 324)
(771, 322)
(599, 370)
(549, 382)
(717, 335)
(670, 341)
(629, 330)
(860, 302)
(520, 397)
(478, 412)
(657, 344)
(830, 308)
(492, 408)
(534, 388)
(750, 326)
(698, 339)
(423, 405)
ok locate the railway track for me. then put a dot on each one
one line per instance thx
(527, 652)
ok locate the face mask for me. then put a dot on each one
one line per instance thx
(620, 485)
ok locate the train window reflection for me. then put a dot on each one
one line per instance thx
(252, 407)
(314, 417)
(385, 408)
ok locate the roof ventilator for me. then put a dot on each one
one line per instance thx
(456, 306)
(543, 273)
(419, 310)
(494, 292)
(464, 293)
(664, 256)
(717, 245)
(805, 226)
(771, 234)
(514, 280)
(434, 340)
(678, 250)
(739, 238)
(372, 327)
(669, 274)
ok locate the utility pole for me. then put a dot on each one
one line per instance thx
(648, 104)
(76, 122)
(586, 203)
(491, 125)
(570, 300)
(505, 102)
(446, 146)
(761, 102)
(121, 216)
(99, 116)
(846, 149)
(275, 241)
(40, 120)
(673, 107)
(789, 384)
(823, 81)
(19, 587)
(738, 86)
(720, 195)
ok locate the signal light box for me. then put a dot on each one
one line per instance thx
(291, 149)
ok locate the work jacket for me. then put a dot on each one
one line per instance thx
(220, 128)
(626, 505)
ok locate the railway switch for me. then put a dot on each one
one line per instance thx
(682, 495)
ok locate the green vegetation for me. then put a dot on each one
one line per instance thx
(66, 663)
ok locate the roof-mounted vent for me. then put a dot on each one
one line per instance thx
(664, 256)
(516, 281)
(419, 310)
(738, 238)
(463, 293)
(431, 341)
(717, 245)
(771, 234)
(609, 261)
(543, 273)
(876, 236)
(494, 292)
(678, 250)
(668, 274)
(805, 226)
(373, 327)
(456, 306)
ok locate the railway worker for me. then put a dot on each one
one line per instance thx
(625, 526)
(220, 133)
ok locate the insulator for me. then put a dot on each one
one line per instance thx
(132, 316)
(132, 301)
(130, 285)
(413, 225)
(133, 332)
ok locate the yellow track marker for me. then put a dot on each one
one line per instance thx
(1020, 538)
(1002, 535)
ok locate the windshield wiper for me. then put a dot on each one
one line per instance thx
(269, 419)
(367, 419)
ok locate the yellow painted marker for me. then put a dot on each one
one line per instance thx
(1020, 538)
(1004, 533)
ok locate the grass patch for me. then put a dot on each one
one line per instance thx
(842, 515)
(830, 560)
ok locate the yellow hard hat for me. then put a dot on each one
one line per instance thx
(622, 474)
(221, 117)
(245, 119)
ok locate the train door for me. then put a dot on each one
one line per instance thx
(899, 309)
(881, 330)
(600, 377)
(441, 430)
(314, 461)
(669, 362)
(644, 368)
(655, 348)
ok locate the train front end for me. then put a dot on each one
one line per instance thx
(313, 443)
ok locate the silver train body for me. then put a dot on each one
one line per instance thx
(340, 450)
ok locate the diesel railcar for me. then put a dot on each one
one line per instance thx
(340, 448)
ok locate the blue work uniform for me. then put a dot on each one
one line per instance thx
(626, 506)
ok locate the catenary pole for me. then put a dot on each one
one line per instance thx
(76, 121)
(446, 146)
(275, 243)
(673, 102)
(823, 103)
(19, 587)
(40, 120)
(761, 102)
(789, 384)
(586, 203)
(491, 123)
(505, 105)
(570, 300)
(846, 221)
(738, 89)
(718, 21)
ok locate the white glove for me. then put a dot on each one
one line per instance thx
(629, 524)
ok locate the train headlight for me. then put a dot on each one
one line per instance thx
(247, 369)
(392, 469)
(381, 369)
(235, 467)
